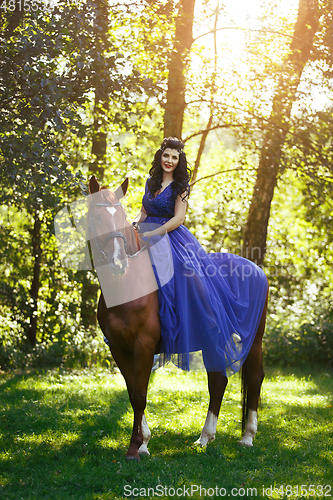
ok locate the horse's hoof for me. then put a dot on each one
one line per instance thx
(204, 440)
(132, 457)
(144, 453)
(143, 450)
(198, 442)
(246, 442)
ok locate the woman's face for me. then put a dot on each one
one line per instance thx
(169, 160)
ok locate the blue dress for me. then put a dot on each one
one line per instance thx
(212, 302)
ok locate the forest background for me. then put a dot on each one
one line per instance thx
(92, 87)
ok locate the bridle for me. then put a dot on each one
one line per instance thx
(100, 246)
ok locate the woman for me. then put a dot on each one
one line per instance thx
(209, 302)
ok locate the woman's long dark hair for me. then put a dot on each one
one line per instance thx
(181, 174)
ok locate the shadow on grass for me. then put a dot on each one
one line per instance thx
(25, 413)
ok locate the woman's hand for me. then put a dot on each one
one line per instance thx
(148, 234)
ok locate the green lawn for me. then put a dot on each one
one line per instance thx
(64, 436)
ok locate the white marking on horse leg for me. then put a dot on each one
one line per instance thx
(209, 430)
(143, 450)
(250, 429)
(156, 363)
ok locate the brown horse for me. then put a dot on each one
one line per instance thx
(133, 331)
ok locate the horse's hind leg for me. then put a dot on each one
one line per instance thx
(216, 385)
(252, 377)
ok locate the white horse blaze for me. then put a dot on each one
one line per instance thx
(209, 430)
(111, 210)
(143, 450)
(250, 429)
(116, 255)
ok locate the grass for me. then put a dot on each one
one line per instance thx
(64, 436)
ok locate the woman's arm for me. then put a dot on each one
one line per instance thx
(176, 221)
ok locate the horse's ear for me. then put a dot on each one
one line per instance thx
(93, 185)
(121, 191)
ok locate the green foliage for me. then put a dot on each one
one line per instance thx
(298, 260)
(35, 107)
(65, 435)
(81, 350)
(309, 345)
(52, 65)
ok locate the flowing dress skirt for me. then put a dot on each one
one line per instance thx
(209, 302)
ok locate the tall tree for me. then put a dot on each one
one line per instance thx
(211, 106)
(47, 74)
(99, 140)
(255, 233)
(178, 62)
(101, 81)
(34, 107)
(35, 284)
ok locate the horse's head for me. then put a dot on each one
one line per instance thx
(107, 227)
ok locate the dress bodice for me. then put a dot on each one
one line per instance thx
(161, 206)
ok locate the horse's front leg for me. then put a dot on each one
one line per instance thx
(140, 433)
(140, 437)
(138, 369)
(137, 438)
(146, 435)
(135, 368)
(216, 385)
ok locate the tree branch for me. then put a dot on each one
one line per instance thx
(239, 169)
(225, 125)
(242, 29)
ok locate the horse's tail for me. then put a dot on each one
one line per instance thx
(244, 395)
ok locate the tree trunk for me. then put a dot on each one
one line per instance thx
(101, 104)
(255, 233)
(175, 105)
(211, 113)
(99, 142)
(201, 147)
(35, 285)
(88, 301)
(98, 149)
